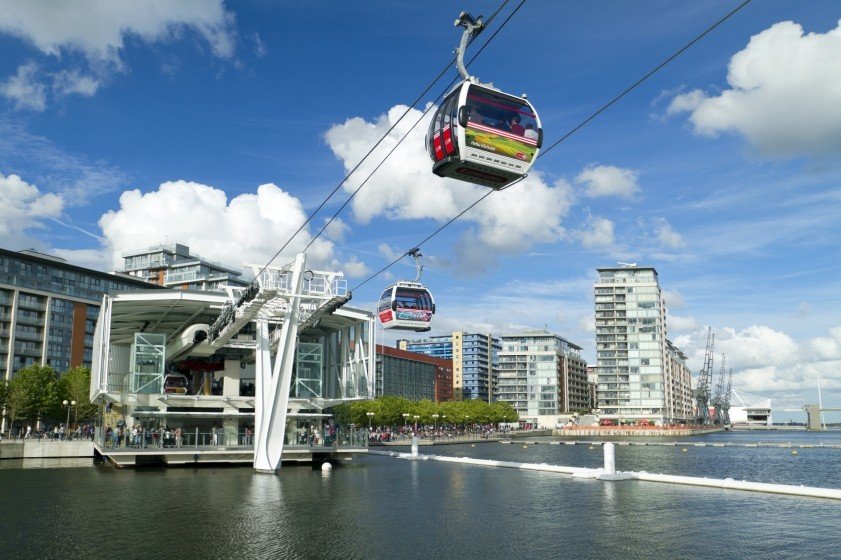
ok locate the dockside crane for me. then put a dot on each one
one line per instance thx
(702, 389)
(725, 406)
(718, 397)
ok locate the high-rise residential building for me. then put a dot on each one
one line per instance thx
(678, 385)
(641, 375)
(49, 308)
(475, 361)
(412, 375)
(174, 267)
(542, 376)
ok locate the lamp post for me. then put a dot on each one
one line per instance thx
(405, 421)
(466, 422)
(370, 416)
(434, 425)
(416, 423)
(68, 404)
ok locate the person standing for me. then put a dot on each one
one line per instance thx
(214, 435)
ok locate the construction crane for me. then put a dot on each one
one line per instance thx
(702, 389)
(717, 400)
(725, 406)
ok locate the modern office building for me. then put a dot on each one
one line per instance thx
(48, 310)
(412, 375)
(641, 375)
(174, 267)
(542, 376)
(474, 357)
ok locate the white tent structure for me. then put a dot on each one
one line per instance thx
(749, 409)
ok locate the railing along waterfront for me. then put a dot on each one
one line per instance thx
(150, 440)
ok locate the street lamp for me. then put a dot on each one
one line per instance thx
(466, 422)
(405, 419)
(416, 423)
(68, 404)
(370, 416)
(434, 424)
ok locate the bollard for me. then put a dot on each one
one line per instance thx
(609, 459)
(414, 446)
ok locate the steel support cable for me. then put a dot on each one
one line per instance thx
(633, 86)
(365, 157)
(572, 131)
(423, 114)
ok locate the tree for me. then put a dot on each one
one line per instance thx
(34, 393)
(75, 385)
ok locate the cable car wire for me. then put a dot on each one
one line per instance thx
(653, 71)
(570, 133)
(406, 135)
(374, 147)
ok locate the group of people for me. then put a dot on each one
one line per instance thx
(56, 433)
(137, 437)
(379, 434)
(511, 122)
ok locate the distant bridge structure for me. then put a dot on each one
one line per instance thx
(813, 415)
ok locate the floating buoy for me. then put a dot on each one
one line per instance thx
(794, 452)
(472, 445)
(326, 466)
(683, 450)
(591, 448)
(525, 447)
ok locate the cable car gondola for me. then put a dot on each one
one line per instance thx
(480, 134)
(407, 305)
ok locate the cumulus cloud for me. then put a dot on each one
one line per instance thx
(674, 300)
(597, 234)
(23, 208)
(667, 235)
(405, 188)
(98, 31)
(827, 348)
(354, 268)
(24, 89)
(785, 90)
(249, 227)
(679, 324)
(608, 180)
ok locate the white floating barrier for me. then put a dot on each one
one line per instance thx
(609, 473)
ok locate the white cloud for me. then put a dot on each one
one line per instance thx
(24, 208)
(598, 234)
(827, 348)
(248, 228)
(74, 82)
(336, 230)
(667, 235)
(674, 300)
(354, 268)
(98, 29)
(405, 187)
(24, 89)
(785, 90)
(608, 180)
(680, 324)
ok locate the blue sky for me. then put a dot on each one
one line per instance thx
(223, 125)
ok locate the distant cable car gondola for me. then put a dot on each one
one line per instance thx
(480, 134)
(407, 305)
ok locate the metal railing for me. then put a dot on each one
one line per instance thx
(207, 440)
